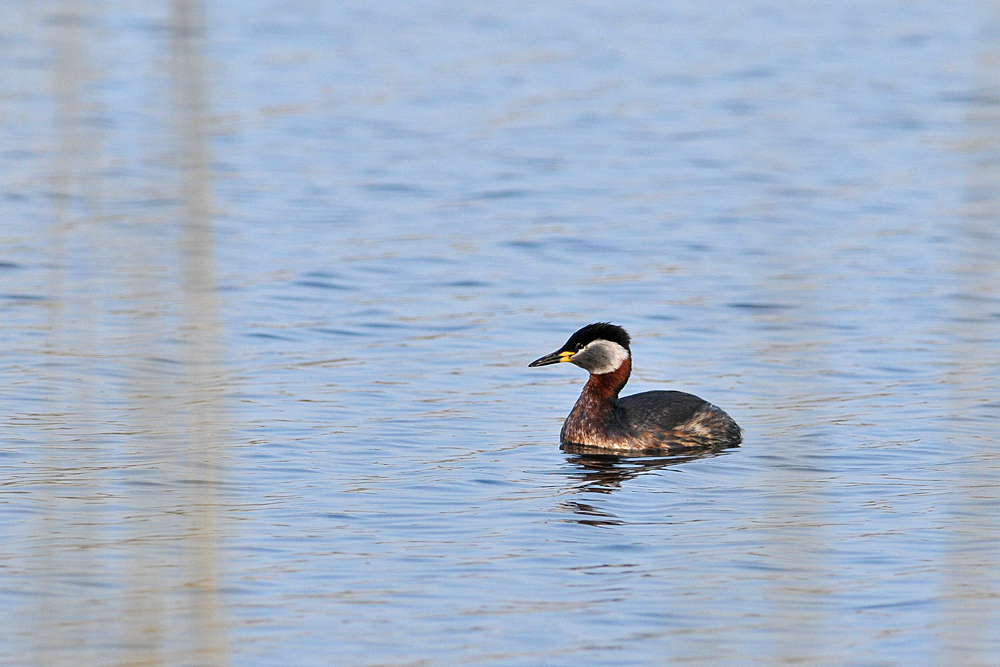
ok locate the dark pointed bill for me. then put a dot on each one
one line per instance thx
(554, 358)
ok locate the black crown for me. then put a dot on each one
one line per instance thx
(597, 331)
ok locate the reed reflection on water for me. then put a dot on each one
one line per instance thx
(271, 275)
(122, 558)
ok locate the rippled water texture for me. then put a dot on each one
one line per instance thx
(271, 275)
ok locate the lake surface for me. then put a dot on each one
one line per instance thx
(271, 274)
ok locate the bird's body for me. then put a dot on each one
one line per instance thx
(645, 422)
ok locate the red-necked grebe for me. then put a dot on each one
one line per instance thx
(650, 421)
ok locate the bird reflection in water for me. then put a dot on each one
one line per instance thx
(605, 473)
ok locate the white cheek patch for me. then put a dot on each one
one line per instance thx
(601, 356)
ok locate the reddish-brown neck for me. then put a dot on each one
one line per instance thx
(589, 421)
(607, 385)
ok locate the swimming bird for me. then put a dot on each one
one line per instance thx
(641, 423)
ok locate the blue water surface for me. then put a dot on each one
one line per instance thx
(271, 274)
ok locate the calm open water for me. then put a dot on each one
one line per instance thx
(271, 273)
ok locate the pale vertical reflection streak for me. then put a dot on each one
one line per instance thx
(971, 630)
(67, 614)
(174, 606)
(202, 331)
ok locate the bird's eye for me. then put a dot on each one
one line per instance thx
(579, 346)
